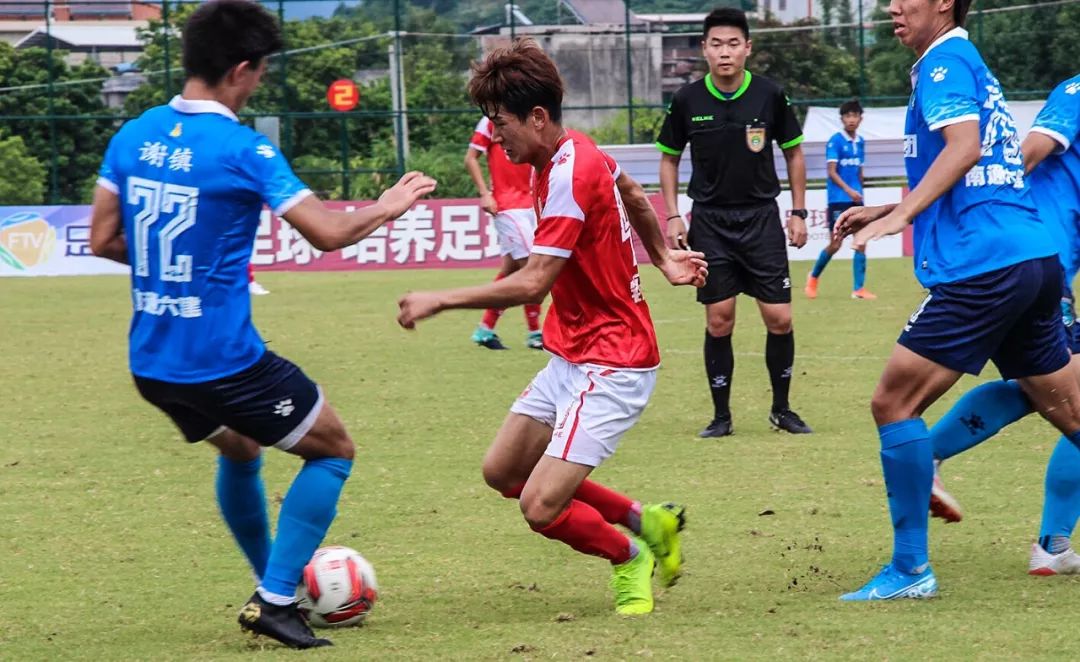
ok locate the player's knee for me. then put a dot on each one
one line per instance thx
(888, 408)
(718, 326)
(779, 325)
(495, 478)
(236, 447)
(539, 512)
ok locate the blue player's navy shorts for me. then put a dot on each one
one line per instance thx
(273, 402)
(1010, 316)
(834, 211)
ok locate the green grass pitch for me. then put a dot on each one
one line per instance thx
(111, 547)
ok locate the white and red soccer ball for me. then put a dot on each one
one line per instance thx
(338, 588)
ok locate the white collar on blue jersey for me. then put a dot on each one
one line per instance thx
(197, 106)
(955, 32)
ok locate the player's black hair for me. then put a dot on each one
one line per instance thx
(960, 11)
(728, 16)
(518, 78)
(852, 106)
(221, 34)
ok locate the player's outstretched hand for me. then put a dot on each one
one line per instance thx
(892, 223)
(416, 306)
(411, 187)
(856, 218)
(685, 268)
(796, 231)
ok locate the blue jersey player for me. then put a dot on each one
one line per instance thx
(845, 154)
(987, 260)
(179, 198)
(1052, 159)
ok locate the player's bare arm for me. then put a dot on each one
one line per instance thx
(963, 149)
(796, 167)
(680, 267)
(472, 166)
(669, 188)
(529, 284)
(329, 230)
(1036, 147)
(106, 237)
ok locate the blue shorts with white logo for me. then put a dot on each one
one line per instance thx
(1011, 316)
(272, 402)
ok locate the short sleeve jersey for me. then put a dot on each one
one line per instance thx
(1055, 183)
(511, 183)
(598, 315)
(986, 221)
(730, 138)
(848, 154)
(192, 182)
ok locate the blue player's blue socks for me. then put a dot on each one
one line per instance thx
(242, 502)
(1061, 503)
(858, 270)
(822, 262)
(978, 415)
(306, 514)
(907, 462)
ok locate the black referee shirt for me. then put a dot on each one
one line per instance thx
(731, 139)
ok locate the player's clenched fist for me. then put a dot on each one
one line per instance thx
(416, 306)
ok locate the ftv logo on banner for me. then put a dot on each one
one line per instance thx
(26, 240)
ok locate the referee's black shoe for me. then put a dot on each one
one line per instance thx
(284, 623)
(719, 427)
(788, 421)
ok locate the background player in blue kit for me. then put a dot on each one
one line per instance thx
(989, 263)
(179, 196)
(1052, 160)
(845, 154)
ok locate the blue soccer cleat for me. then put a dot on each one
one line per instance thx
(892, 584)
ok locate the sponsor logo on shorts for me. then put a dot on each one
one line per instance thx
(787, 284)
(285, 408)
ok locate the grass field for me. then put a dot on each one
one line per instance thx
(111, 547)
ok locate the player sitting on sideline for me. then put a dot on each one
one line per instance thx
(1052, 160)
(509, 201)
(179, 196)
(988, 261)
(594, 388)
(844, 156)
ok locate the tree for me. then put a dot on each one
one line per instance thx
(804, 63)
(74, 144)
(23, 182)
(647, 123)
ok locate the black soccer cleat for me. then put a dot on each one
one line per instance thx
(719, 427)
(788, 421)
(491, 342)
(283, 623)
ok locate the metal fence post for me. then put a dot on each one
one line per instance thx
(629, 77)
(168, 62)
(54, 163)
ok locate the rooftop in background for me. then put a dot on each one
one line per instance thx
(77, 38)
(63, 11)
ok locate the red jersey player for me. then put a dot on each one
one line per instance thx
(603, 368)
(510, 201)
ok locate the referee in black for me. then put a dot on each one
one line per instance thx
(731, 118)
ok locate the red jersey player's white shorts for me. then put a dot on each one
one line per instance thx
(515, 229)
(589, 407)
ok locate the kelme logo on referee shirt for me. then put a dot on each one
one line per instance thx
(755, 139)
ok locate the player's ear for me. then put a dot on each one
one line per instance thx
(539, 117)
(749, 46)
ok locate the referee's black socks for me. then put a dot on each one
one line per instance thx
(719, 366)
(779, 359)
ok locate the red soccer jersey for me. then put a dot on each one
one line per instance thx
(511, 183)
(598, 314)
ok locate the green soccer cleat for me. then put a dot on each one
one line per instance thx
(535, 340)
(632, 582)
(660, 527)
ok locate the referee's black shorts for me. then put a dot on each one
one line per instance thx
(746, 250)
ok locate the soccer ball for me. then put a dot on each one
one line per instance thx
(338, 588)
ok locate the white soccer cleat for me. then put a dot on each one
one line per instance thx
(943, 504)
(257, 289)
(1045, 564)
